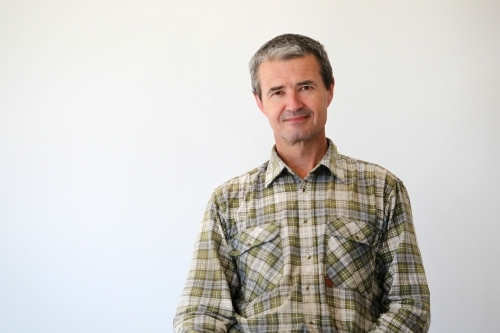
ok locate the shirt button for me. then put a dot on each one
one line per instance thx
(305, 221)
(308, 257)
(357, 237)
(307, 288)
(311, 323)
(303, 190)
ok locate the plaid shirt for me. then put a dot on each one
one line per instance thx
(335, 252)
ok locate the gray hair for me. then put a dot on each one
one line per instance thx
(286, 47)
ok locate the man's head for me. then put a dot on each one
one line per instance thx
(286, 47)
(293, 87)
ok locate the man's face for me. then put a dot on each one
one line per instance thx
(294, 99)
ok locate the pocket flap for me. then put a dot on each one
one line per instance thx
(252, 237)
(356, 231)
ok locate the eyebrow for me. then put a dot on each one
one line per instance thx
(306, 83)
(273, 89)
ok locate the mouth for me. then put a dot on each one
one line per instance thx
(295, 117)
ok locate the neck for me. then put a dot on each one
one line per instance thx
(302, 157)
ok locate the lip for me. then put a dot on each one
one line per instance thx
(296, 119)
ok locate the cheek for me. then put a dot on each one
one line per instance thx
(271, 115)
(273, 112)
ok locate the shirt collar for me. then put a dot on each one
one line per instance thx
(331, 160)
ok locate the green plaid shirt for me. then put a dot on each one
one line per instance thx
(335, 252)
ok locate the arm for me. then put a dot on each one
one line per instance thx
(406, 298)
(206, 304)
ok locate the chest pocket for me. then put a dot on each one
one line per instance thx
(259, 257)
(350, 254)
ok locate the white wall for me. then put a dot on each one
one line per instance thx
(118, 118)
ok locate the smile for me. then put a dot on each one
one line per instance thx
(296, 119)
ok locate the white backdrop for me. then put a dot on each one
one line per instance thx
(118, 118)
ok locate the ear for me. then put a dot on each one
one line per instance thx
(259, 102)
(330, 92)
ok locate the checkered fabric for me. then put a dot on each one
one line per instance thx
(334, 252)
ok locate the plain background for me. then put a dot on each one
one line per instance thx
(119, 118)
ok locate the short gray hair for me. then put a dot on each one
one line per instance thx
(286, 47)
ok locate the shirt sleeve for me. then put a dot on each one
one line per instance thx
(406, 297)
(205, 304)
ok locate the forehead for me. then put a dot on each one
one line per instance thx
(273, 72)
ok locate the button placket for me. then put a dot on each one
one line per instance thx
(308, 268)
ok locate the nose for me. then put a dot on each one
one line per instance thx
(293, 101)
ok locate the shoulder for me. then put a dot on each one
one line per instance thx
(367, 173)
(378, 183)
(356, 165)
(231, 192)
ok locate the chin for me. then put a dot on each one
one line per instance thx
(299, 137)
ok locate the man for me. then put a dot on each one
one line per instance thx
(312, 240)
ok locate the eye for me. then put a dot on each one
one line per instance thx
(278, 93)
(306, 88)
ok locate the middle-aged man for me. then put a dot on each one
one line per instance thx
(312, 240)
